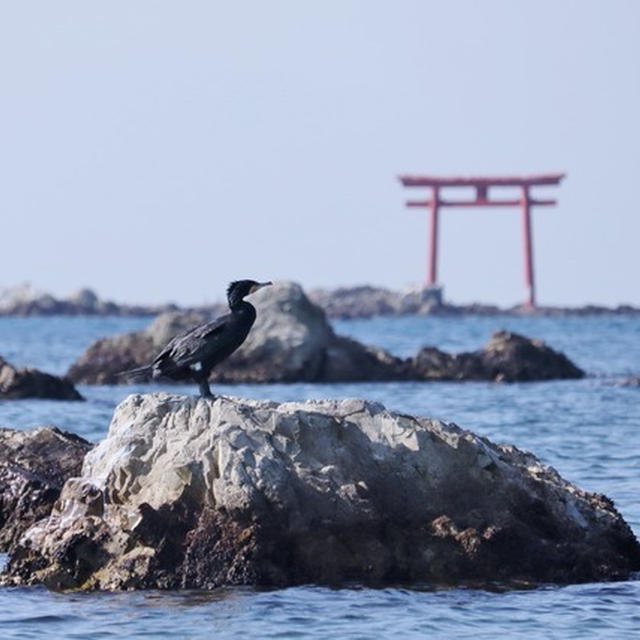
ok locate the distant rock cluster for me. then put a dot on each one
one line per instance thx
(26, 301)
(343, 302)
(292, 341)
(368, 301)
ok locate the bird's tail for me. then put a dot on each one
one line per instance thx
(141, 374)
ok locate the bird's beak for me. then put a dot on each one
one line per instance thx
(260, 285)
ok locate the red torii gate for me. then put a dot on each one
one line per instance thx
(481, 185)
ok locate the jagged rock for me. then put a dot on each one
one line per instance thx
(33, 467)
(199, 493)
(507, 357)
(291, 341)
(26, 382)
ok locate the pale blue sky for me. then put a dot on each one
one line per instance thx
(156, 150)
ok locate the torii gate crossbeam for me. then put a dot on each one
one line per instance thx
(482, 184)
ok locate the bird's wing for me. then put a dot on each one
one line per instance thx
(190, 346)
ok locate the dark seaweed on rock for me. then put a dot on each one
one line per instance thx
(34, 465)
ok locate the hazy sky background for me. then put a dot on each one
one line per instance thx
(156, 150)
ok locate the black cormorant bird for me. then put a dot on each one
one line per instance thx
(192, 354)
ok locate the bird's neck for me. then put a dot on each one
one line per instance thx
(241, 306)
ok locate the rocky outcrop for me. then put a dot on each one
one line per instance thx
(33, 467)
(26, 382)
(199, 493)
(507, 357)
(291, 341)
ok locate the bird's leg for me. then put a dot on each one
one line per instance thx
(202, 378)
(205, 391)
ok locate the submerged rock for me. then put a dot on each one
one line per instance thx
(26, 382)
(199, 493)
(33, 467)
(507, 357)
(291, 341)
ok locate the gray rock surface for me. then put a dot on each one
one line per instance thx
(199, 493)
(291, 341)
(26, 382)
(33, 467)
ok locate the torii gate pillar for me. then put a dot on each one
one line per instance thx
(482, 185)
(433, 239)
(529, 278)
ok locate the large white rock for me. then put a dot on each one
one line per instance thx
(188, 492)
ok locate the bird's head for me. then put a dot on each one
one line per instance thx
(238, 289)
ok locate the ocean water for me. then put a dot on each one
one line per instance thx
(589, 430)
